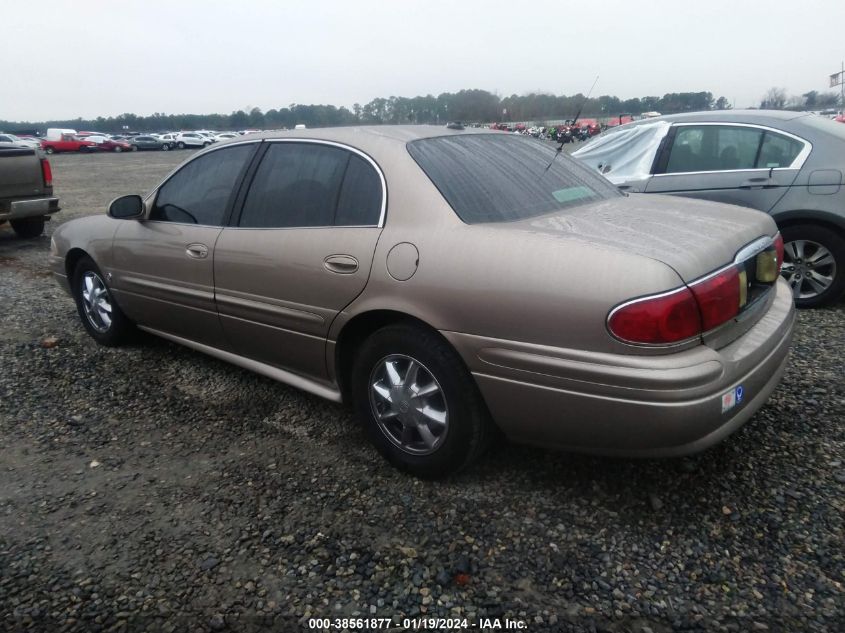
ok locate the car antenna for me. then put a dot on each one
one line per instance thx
(577, 114)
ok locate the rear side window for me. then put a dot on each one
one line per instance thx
(312, 185)
(199, 192)
(502, 178)
(713, 148)
(360, 198)
(296, 185)
(698, 148)
(778, 151)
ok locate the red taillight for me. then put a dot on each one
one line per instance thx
(666, 318)
(779, 249)
(703, 305)
(719, 297)
(683, 313)
(46, 172)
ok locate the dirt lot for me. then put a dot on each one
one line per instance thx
(153, 488)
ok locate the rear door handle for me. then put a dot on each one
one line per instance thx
(758, 183)
(197, 251)
(341, 264)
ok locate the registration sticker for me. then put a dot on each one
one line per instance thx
(732, 398)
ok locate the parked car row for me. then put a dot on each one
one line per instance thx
(68, 140)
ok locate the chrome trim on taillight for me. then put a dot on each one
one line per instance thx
(753, 249)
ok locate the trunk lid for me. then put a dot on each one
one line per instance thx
(693, 237)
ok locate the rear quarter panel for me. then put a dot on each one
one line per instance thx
(490, 280)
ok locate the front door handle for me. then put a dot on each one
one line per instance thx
(341, 264)
(197, 251)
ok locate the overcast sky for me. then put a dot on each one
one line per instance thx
(86, 58)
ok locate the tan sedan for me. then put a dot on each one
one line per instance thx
(445, 283)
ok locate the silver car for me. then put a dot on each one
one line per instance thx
(788, 164)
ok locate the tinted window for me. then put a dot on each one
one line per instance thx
(199, 192)
(297, 184)
(360, 198)
(713, 148)
(778, 151)
(499, 177)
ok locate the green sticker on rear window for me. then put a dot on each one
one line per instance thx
(573, 193)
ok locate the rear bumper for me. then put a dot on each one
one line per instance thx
(630, 405)
(30, 208)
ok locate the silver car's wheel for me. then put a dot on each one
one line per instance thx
(809, 267)
(96, 301)
(408, 404)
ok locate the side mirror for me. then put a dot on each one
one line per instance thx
(127, 208)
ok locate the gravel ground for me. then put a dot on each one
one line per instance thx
(153, 488)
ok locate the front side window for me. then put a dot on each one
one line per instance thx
(503, 178)
(199, 192)
(296, 185)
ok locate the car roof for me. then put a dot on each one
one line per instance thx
(369, 133)
(760, 117)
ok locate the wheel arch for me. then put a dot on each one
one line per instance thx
(824, 219)
(355, 331)
(72, 259)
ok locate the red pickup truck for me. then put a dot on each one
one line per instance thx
(67, 143)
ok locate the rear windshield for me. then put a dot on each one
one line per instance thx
(501, 178)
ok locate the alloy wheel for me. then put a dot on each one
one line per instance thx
(96, 301)
(408, 404)
(809, 267)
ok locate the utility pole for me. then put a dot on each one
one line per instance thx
(838, 79)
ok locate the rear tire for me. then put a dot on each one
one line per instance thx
(435, 423)
(28, 228)
(165, 147)
(101, 316)
(49, 150)
(180, 145)
(814, 264)
(118, 149)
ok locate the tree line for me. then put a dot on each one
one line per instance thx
(466, 105)
(777, 99)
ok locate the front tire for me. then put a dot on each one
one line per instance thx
(101, 316)
(28, 228)
(180, 145)
(418, 403)
(165, 147)
(118, 149)
(814, 264)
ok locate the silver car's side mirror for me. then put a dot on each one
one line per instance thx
(127, 207)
